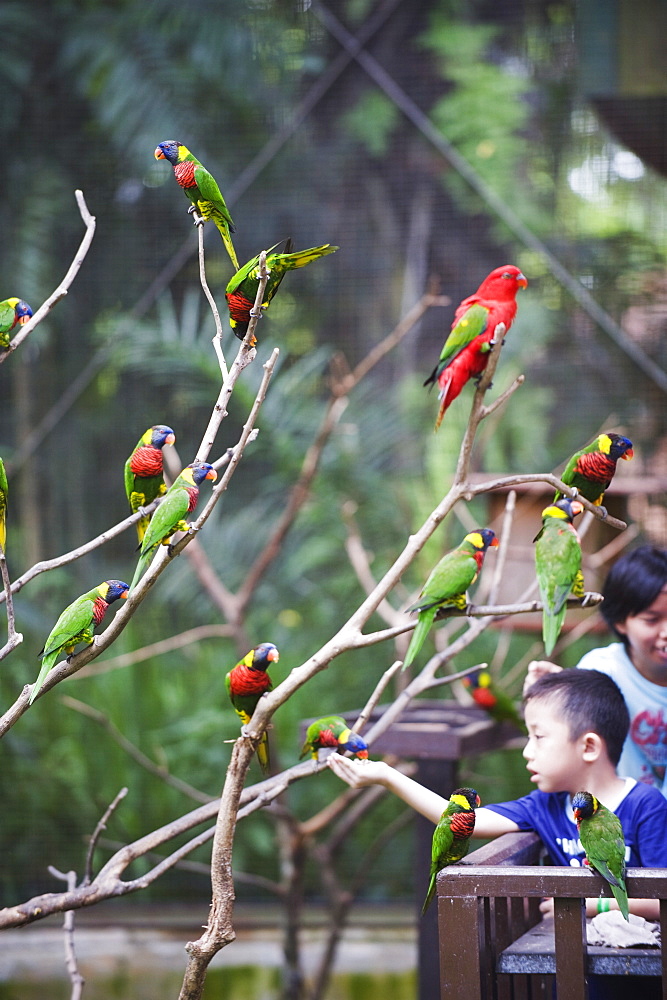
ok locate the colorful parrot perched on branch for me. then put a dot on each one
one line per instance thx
(13, 312)
(466, 350)
(491, 698)
(143, 472)
(201, 188)
(246, 683)
(333, 731)
(592, 469)
(447, 584)
(242, 287)
(602, 838)
(558, 566)
(451, 838)
(179, 500)
(76, 624)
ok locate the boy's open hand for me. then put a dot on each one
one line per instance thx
(358, 773)
(537, 669)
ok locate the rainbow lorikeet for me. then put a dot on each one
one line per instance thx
(466, 350)
(592, 469)
(447, 584)
(333, 731)
(246, 683)
(4, 495)
(491, 698)
(201, 188)
(602, 838)
(558, 565)
(242, 287)
(76, 624)
(179, 500)
(143, 472)
(451, 838)
(13, 312)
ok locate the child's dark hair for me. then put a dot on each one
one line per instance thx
(590, 701)
(632, 584)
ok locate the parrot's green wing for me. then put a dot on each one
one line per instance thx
(209, 190)
(167, 519)
(558, 569)
(7, 316)
(604, 843)
(452, 576)
(75, 621)
(470, 325)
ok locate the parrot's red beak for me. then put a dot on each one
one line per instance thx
(158, 154)
(24, 319)
(362, 754)
(628, 455)
(273, 655)
(212, 475)
(124, 595)
(170, 438)
(577, 507)
(521, 280)
(495, 543)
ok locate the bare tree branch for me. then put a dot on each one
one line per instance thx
(62, 289)
(97, 833)
(71, 964)
(14, 638)
(159, 648)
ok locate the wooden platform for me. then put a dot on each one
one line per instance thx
(534, 953)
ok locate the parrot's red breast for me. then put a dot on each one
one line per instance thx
(596, 465)
(463, 824)
(99, 609)
(248, 680)
(146, 461)
(185, 174)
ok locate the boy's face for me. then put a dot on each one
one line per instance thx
(646, 639)
(552, 757)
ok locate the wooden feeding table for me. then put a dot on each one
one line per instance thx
(436, 735)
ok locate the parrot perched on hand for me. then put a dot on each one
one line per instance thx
(451, 837)
(4, 495)
(592, 469)
(242, 287)
(13, 312)
(488, 696)
(179, 500)
(201, 188)
(447, 584)
(76, 624)
(333, 731)
(246, 683)
(143, 472)
(602, 838)
(558, 565)
(466, 350)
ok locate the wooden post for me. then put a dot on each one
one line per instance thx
(570, 927)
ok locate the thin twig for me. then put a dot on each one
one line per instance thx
(217, 339)
(14, 638)
(97, 832)
(75, 977)
(62, 289)
(155, 649)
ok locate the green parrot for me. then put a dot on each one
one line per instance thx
(246, 683)
(143, 472)
(591, 470)
(558, 566)
(179, 500)
(448, 583)
(4, 494)
(333, 731)
(601, 836)
(242, 287)
(76, 624)
(491, 698)
(201, 188)
(451, 838)
(13, 312)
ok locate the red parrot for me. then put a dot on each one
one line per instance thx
(466, 349)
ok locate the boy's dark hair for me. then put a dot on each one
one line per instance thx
(590, 701)
(632, 585)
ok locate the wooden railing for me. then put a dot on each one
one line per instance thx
(488, 905)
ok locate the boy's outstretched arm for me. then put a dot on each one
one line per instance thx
(359, 773)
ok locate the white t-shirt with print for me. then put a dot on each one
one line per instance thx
(644, 754)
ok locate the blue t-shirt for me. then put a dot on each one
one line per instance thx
(642, 812)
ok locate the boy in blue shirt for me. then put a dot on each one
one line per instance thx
(577, 722)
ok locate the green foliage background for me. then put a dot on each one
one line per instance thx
(88, 90)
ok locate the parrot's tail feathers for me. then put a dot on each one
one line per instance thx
(224, 231)
(422, 629)
(142, 563)
(621, 897)
(263, 754)
(551, 626)
(444, 404)
(429, 895)
(47, 663)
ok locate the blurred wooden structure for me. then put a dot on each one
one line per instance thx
(493, 945)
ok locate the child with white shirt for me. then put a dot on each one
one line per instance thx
(577, 722)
